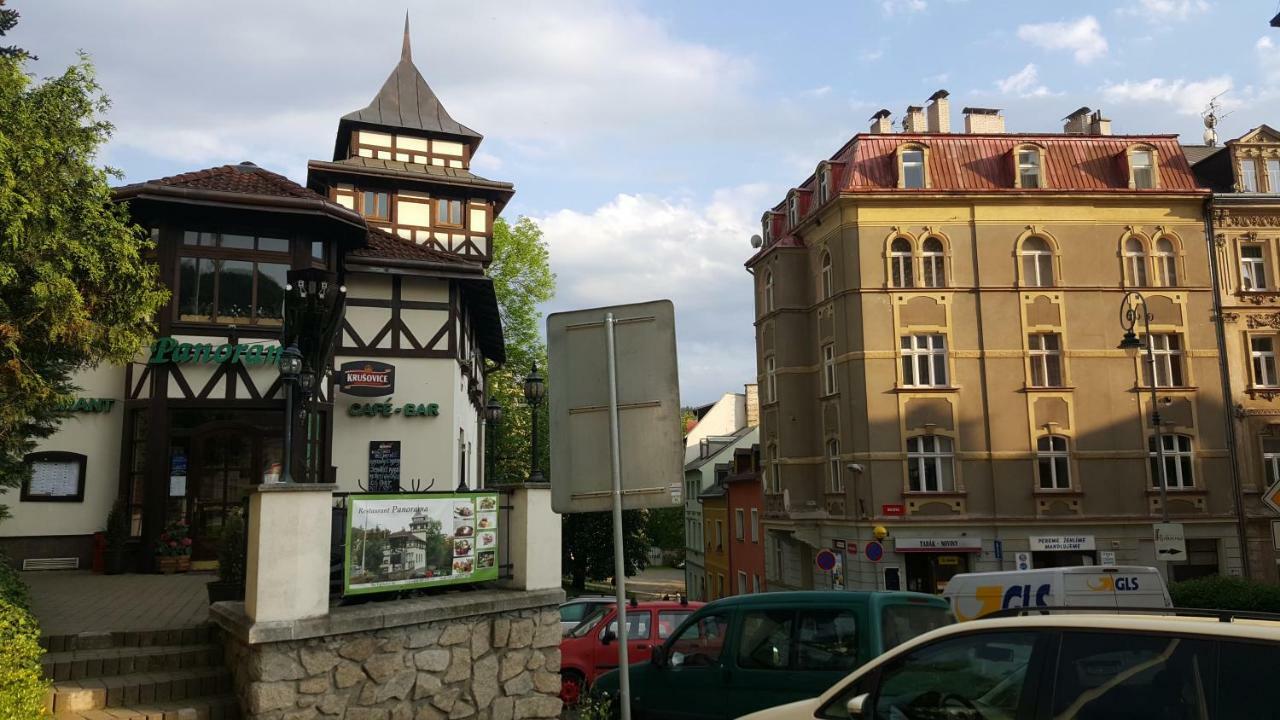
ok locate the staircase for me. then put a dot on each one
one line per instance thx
(147, 675)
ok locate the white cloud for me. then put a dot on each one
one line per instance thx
(641, 247)
(817, 92)
(1082, 37)
(1163, 11)
(1024, 83)
(872, 55)
(1188, 97)
(893, 7)
(1268, 57)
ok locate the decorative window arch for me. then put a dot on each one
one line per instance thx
(1053, 462)
(1037, 260)
(827, 283)
(933, 262)
(768, 291)
(901, 262)
(1029, 167)
(1144, 167)
(1165, 256)
(913, 166)
(930, 463)
(1133, 249)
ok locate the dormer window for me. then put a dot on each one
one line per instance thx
(1030, 171)
(1273, 175)
(768, 229)
(1142, 168)
(824, 184)
(1248, 175)
(793, 210)
(912, 170)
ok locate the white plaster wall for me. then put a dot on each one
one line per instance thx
(96, 435)
(726, 417)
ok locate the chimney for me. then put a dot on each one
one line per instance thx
(753, 404)
(881, 124)
(1099, 125)
(913, 120)
(939, 112)
(1077, 123)
(983, 120)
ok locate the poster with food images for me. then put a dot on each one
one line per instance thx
(404, 541)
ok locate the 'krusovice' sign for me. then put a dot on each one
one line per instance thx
(367, 378)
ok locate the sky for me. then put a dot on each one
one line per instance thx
(647, 138)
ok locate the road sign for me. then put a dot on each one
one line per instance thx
(650, 448)
(851, 548)
(826, 560)
(874, 551)
(1272, 497)
(1171, 544)
(1107, 558)
(1022, 561)
(997, 547)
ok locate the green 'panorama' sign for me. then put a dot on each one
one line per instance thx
(168, 350)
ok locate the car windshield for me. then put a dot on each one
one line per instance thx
(902, 622)
(590, 621)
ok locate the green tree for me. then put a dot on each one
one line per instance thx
(75, 287)
(665, 529)
(586, 551)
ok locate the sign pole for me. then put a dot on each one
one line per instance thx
(619, 559)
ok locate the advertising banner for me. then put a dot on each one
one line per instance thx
(367, 378)
(406, 541)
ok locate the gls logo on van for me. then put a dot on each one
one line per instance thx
(1108, 583)
(998, 597)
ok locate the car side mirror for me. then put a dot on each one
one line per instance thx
(659, 656)
(608, 637)
(854, 706)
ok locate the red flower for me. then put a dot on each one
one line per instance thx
(173, 544)
(164, 536)
(186, 541)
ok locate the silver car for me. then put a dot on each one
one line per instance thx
(574, 610)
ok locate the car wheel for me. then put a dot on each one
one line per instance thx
(572, 686)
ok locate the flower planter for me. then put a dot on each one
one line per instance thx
(168, 564)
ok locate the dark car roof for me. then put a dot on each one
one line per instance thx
(821, 597)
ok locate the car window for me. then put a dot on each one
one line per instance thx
(700, 643)
(1245, 677)
(590, 621)
(669, 620)
(977, 677)
(827, 640)
(1156, 676)
(837, 707)
(573, 612)
(637, 625)
(900, 623)
(765, 642)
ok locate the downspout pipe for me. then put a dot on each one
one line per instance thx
(1215, 274)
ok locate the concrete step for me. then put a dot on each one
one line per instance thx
(81, 664)
(218, 707)
(138, 688)
(198, 635)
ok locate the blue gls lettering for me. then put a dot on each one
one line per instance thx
(1022, 595)
(1129, 583)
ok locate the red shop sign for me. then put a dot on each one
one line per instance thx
(893, 509)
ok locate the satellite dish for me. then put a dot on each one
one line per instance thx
(756, 241)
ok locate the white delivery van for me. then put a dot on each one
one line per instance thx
(973, 595)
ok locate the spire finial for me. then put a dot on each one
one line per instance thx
(405, 54)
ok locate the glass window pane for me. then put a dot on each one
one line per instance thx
(235, 290)
(1163, 676)
(700, 644)
(195, 289)
(1246, 680)
(900, 623)
(985, 670)
(190, 237)
(1248, 176)
(271, 244)
(239, 242)
(271, 289)
(827, 640)
(669, 620)
(317, 250)
(766, 640)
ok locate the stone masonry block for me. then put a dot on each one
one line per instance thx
(432, 660)
(521, 633)
(383, 666)
(513, 662)
(455, 634)
(501, 631)
(459, 664)
(317, 659)
(484, 681)
(360, 649)
(268, 696)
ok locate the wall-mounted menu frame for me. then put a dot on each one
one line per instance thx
(405, 541)
(56, 476)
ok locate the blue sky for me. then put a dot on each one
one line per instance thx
(647, 138)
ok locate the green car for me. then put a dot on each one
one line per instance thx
(749, 652)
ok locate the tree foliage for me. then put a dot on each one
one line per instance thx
(75, 286)
(586, 551)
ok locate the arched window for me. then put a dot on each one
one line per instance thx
(827, 287)
(1052, 463)
(1037, 262)
(900, 260)
(932, 263)
(824, 184)
(768, 291)
(1177, 461)
(929, 468)
(834, 475)
(793, 210)
(1135, 263)
(1166, 261)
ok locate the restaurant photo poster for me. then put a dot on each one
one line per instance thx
(406, 541)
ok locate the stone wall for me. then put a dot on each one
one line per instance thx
(488, 655)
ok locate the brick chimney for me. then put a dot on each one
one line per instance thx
(753, 404)
(983, 120)
(881, 124)
(1099, 125)
(1077, 123)
(913, 120)
(939, 112)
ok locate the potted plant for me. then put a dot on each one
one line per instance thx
(117, 534)
(231, 561)
(173, 549)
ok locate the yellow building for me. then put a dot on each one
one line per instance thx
(715, 523)
(937, 331)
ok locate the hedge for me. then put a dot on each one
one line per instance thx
(12, 589)
(1226, 593)
(24, 685)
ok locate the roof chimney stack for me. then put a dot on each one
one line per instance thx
(1077, 123)
(1099, 125)
(913, 120)
(939, 112)
(881, 124)
(983, 120)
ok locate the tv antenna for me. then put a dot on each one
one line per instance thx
(1212, 116)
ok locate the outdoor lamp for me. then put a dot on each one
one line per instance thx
(290, 368)
(535, 387)
(290, 363)
(493, 411)
(1130, 344)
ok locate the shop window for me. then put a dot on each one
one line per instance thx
(929, 464)
(136, 469)
(1253, 268)
(1053, 465)
(1262, 351)
(236, 279)
(1046, 359)
(900, 263)
(924, 361)
(1135, 263)
(1177, 462)
(1167, 349)
(1037, 263)
(449, 212)
(932, 263)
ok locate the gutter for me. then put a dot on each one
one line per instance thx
(160, 192)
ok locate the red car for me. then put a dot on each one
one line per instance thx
(590, 649)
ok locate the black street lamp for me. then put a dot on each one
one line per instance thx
(290, 369)
(535, 389)
(1131, 344)
(492, 416)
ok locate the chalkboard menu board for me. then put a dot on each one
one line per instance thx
(384, 466)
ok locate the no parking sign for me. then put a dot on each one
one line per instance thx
(874, 551)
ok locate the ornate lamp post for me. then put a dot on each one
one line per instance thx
(290, 369)
(535, 389)
(1129, 316)
(492, 416)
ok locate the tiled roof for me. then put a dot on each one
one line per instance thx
(455, 176)
(384, 245)
(245, 178)
(1196, 153)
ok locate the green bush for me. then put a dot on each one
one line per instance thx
(12, 589)
(24, 684)
(231, 549)
(1226, 593)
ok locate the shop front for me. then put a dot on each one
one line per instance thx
(1049, 551)
(932, 562)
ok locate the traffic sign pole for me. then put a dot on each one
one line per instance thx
(619, 556)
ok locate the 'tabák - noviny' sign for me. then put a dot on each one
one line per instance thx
(168, 350)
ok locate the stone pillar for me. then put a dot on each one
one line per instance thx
(287, 577)
(532, 538)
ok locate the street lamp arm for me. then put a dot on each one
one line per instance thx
(1129, 306)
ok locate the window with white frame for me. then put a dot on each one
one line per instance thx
(1271, 460)
(739, 520)
(1262, 350)
(824, 185)
(1166, 263)
(719, 534)
(1167, 349)
(827, 286)
(1177, 461)
(829, 385)
(773, 477)
(1046, 359)
(742, 583)
(1248, 175)
(1273, 175)
(924, 361)
(835, 476)
(1037, 262)
(755, 584)
(1029, 168)
(1135, 263)
(1142, 169)
(770, 379)
(1253, 267)
(932, 263)
(768, 291)
(793, 210)
(900, 263)
(755, 525)
(777, 556)
(929, 464)
(1053, 465)
(913, 168)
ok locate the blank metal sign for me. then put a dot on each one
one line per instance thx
(648, 408)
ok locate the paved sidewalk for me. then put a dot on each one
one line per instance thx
(68, 602)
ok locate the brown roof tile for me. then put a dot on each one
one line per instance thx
(386, 246)
(245, 178)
